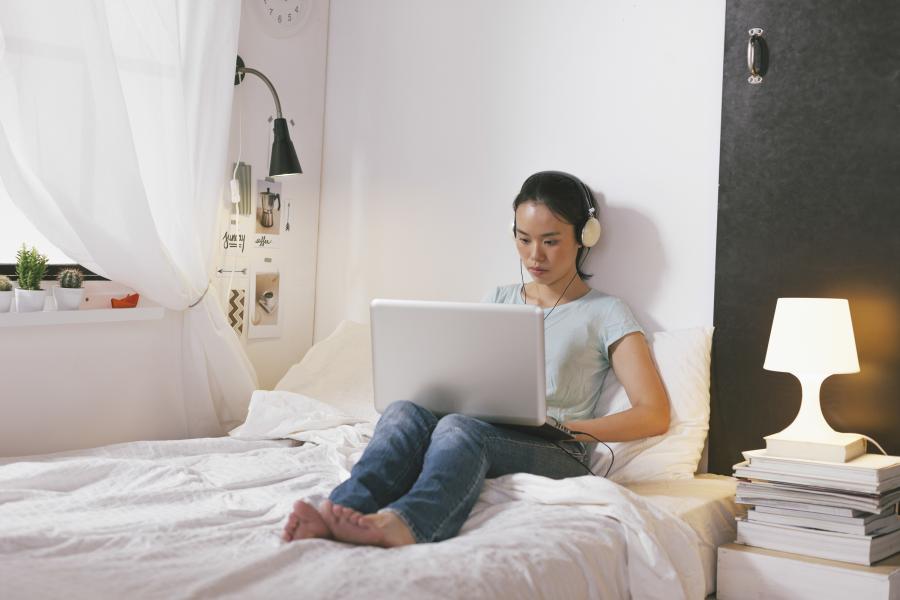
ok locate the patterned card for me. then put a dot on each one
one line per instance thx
(236, 302)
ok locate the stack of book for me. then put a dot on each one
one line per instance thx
(839, 511)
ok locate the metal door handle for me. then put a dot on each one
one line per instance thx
(757, 56)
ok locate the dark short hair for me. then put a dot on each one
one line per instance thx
(564, 195)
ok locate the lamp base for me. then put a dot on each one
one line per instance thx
(833, 446)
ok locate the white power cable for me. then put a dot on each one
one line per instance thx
(874, 442)
(236, 197)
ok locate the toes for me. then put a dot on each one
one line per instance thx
(326, 509)
(337, 515)
(307, 522)
(288, 531)
(367, 521)
(338, 511)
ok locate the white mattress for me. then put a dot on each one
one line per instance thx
(706, 503)
(201, 518)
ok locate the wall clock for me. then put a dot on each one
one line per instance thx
(282, 18)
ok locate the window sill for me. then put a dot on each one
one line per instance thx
(91, 315)
(94, 309)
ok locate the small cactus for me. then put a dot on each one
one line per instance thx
(5, 284)
(70, 278)
(30, 268)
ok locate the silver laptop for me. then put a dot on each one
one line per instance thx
(477, 359)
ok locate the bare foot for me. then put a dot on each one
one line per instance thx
(304, 523)
(380, 529)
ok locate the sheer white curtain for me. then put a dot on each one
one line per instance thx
(114, 121)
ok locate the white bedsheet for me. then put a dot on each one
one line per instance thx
(706, 503)
(202, 518)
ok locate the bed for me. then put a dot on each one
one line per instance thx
(202, 518)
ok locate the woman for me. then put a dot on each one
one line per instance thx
(421, 475)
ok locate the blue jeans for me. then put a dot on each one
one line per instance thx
(430, 471)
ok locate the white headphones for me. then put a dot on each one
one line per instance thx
(590, 232)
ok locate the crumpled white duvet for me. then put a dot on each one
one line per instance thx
(202, 518)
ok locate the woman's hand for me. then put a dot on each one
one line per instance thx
(649, 413)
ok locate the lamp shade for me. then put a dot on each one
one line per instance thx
(812, 335)
(284, 158)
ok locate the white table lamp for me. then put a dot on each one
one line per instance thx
(812, 338)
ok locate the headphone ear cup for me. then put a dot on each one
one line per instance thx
(590, 233)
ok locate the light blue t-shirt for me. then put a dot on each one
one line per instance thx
(577, 337)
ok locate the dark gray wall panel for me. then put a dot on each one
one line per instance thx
(809, 205)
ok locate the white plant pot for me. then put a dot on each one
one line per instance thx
(68, 298)
(30, 300)
(5, 301)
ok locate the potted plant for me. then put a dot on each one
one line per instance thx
(69, 294)
(30, 268)
(6, 293)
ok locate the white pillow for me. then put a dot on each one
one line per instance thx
(682, 358)
(337, 371)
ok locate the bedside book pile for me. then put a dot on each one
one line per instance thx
(838, 511)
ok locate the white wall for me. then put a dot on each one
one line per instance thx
(437, 111)
(296, 67)
(75, 386)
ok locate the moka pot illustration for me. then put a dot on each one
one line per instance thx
(268, 201)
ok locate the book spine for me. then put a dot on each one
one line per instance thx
(790, 542)
(839, 453)
(824, 525)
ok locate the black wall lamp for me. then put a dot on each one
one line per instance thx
(284, 158)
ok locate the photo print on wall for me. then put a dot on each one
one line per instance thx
(269, 222)
(265, 307)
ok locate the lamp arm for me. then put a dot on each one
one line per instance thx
(243, 70)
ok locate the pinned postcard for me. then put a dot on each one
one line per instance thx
(236, 309)
(265, 298)
(234, 243)
(269, 221)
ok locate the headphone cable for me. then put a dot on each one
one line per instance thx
(566, 289)
(612, 454)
